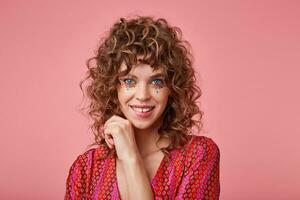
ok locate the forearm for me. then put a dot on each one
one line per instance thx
(137, 180)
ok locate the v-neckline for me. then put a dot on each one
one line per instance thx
(151, 182)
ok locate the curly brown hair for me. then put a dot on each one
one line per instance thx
(161, 45)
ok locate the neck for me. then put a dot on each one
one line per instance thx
(146, 141)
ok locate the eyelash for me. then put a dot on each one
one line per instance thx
(157, 85)
(124, 80)
(161, 81)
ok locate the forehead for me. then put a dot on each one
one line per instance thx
(141, 69)
(141, 65)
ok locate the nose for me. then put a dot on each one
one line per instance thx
(142, 93)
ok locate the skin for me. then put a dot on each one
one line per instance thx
(135, 138)
(140, 90)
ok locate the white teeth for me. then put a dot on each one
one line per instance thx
(141, 109)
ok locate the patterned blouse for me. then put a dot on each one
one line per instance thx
(192, 172)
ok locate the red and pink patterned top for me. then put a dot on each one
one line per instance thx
(191, 173)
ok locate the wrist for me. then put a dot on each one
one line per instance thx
(132, 159)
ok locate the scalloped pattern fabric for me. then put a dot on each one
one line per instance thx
(191, 173)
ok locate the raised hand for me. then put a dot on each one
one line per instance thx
(119, 134)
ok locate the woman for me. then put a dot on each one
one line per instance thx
(143, 93)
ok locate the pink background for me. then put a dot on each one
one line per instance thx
(247, 56)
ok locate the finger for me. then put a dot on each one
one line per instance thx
(111, 141)
(108, 143)
(114, 128)
(114, 125)
(114, 118)
(108, 138)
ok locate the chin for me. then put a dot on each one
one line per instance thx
(141, 124)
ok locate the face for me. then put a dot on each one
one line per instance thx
(143, 87)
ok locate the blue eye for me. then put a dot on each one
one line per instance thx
(128, 81)
(158, 82)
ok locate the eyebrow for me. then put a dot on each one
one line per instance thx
(153, 76)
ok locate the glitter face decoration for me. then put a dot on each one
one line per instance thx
(128, 82)
(143, 86)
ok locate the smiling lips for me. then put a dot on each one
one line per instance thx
(144, 111)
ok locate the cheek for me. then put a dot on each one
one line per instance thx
(124, 94)
(161, 94)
